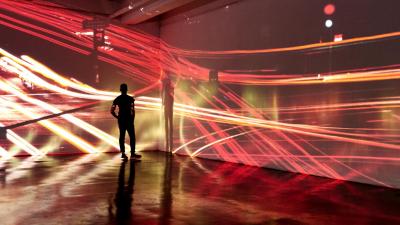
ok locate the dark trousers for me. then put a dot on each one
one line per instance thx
(127, 125)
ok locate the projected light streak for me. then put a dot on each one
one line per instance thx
(147, 59)
(189, 70)
(321, 167)
(4, 154)
(249, 77)
(264, 137)
(223, 116)
(68, 188)
(70, 170)
(235, 147)
(143, 39)
(344, 157)
(17, 66)
(99, 95)
(345, 111)
(52, 143)
(198, 53)
(368, 105)
(329, 170)
(48, 73)
(77, 122)
(363, 107)
(212, 111)
(153, 57)
(27, 75)
(43, 30)
(263, 143)
(217, 142)
(23, 168)
(246, 121)
(202, 137)
(343, 164)
(220, 149)
(232, 144)
(317, 79)
(22, 143)
(44, 37)
(358, 173)
(348, 77)
(309, 132)
(86, 43)
(71, 138)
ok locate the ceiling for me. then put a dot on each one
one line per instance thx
(127, 11)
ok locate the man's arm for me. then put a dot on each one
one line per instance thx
(112, 110)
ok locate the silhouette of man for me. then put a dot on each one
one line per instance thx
(166, 194)
(124, 196)
(168, 103)
(126, 117)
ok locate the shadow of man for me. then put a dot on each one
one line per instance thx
(124, 196)
(166, 193)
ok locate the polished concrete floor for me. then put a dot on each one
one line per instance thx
(100, 189)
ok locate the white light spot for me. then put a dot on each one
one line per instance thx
(328, 23)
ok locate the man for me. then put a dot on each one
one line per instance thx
(126, 117)
(168, 103)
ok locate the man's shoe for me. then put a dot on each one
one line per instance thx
(123, 156)
(136, 156)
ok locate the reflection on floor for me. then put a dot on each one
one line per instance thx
(100, 189)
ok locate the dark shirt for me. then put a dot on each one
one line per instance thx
(126, 106)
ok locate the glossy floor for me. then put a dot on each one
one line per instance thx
(100, 189)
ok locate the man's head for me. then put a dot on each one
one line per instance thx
(123, 88)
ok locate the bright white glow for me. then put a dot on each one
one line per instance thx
(87, 33)
(4, 153)
(328, 23)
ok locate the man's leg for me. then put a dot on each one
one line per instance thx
(132, 138)
(122, 131)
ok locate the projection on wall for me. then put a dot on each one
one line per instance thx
(33, 87)
(305, 114)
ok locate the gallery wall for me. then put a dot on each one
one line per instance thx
(289, 96)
